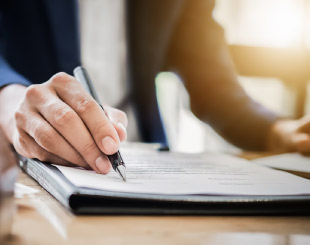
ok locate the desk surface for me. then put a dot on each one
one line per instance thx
(40, 219)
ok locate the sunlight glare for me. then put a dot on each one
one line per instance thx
(269, 23)
(285, 24)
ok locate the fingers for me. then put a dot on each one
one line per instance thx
(51, 141)
(102, 130)
(119, 121)
(26, 146)
(302, 143)
(64, 123)
(73, 130)
(301, 138)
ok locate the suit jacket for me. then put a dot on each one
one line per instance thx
(39, 38)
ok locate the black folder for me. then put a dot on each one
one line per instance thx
(92, 201)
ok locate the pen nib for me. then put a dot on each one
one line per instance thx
(121, 170)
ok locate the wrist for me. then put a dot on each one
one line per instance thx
(10, 98)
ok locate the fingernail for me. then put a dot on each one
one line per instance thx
(110, 116)
(109, 145)
(103, 165)
(121, 126)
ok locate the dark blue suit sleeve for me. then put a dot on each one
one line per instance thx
(9, 76)
(38, 38)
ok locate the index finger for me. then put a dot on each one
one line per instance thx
(72, 93)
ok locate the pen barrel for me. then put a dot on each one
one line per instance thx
(82, 76)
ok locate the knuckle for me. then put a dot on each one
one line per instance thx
(84, 105)
(45, 138)
(77, 159)
(88, 149)
(34, 92)
(61, 79)
(19, 117)
(42, 155)
(63, 116)
(101, 128)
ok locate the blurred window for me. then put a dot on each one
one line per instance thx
(268, 23)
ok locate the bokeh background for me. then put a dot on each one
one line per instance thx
(269, 41)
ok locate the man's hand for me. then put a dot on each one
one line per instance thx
(290, 136)
(59, 122)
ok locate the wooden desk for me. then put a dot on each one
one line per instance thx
(40, 219)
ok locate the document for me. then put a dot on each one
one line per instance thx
(153, 172)
(294, 162)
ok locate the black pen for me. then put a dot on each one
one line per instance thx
(116, 159)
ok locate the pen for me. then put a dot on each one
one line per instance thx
(116, 159)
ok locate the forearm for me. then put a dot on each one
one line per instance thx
(10, 98)
(234, 115)
(198, 52)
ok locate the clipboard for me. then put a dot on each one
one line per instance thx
(92, 201)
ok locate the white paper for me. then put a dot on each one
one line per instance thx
(288, 161)
(175, 173)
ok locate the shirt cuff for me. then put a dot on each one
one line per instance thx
(9, 76)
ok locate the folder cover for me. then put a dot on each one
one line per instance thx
(82, 200)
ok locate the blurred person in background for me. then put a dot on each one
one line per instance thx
(55, 120)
